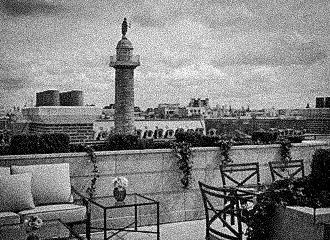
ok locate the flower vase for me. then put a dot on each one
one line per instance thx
(119, 194)
(32, 236)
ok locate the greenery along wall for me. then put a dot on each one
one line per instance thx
(60, 142)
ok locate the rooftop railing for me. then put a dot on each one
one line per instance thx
(133, 60)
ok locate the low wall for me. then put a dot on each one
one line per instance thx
(154, 173)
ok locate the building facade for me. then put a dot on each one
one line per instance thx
(198, 107)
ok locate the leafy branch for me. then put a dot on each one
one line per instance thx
(225, 147)
(285, 151)
(92, 188)
(183, 153)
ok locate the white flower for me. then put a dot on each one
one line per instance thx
(120, 182)
(32, 223)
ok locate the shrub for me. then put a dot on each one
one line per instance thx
(162, 144)
(39, 143)
(53, 143)
(23, 144)
(4, 150)
(77, 147)
(295, 139)
(196, 139)
(122, 142)
(81, 147)
(264, 137)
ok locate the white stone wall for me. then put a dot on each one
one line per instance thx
(154, 173)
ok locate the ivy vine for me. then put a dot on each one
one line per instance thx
(285, 151)
(225, 147)
(95, 172)
(183, 153)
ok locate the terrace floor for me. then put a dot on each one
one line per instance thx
(188, 230)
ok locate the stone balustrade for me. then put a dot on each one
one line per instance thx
(154, 173)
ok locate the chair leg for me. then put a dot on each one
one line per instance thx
(88, 230)
(207, 234)
(88, 219)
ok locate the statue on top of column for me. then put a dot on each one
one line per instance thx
(124, 27)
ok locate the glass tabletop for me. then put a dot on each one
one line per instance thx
(130, 201)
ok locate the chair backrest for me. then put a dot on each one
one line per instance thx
(289, 169)
(239, 175)
(219, 202)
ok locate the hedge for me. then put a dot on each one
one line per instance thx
(39, 143)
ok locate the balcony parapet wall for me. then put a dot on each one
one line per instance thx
(154, 173)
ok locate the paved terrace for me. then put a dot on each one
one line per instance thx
(188, 230)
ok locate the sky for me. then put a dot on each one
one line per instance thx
(255, 53)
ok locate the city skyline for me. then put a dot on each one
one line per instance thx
(237, 53)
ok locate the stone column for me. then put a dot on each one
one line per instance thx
(124, 63)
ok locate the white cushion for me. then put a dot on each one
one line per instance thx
(15, 192)
(65, 212)
(4, 171)
(8, 218)
(50, 182)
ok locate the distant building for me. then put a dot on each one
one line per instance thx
(320, 102)
(327, 102)
(307, 112)
(61, 113)
(198, 107)
(76, 121)
(150, 113)
(108, 112)
(168, 110)
(138, 114)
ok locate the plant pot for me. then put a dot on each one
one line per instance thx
(119, 194)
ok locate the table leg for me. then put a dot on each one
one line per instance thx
(158, 231)
(136, 217)
(105, 224)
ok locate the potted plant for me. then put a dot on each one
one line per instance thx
(32, 224)
(119, 191)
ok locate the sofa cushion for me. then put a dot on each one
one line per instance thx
(50, 182)
(4, 171)
(8, 218)
(65, 212)
(15, 193)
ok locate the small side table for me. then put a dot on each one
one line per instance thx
(135, 201)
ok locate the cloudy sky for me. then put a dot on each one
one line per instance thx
(258, 53)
